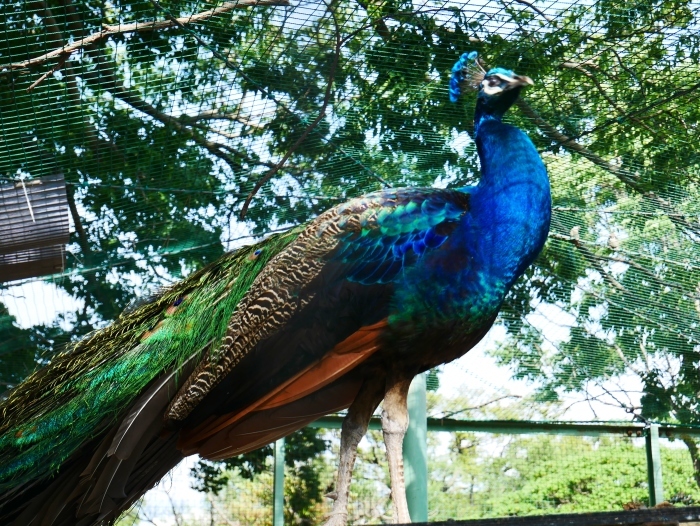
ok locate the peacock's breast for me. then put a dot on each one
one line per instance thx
(464, 283)
(452, 287)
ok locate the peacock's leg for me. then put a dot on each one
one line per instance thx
(354, 428)
(394, 425)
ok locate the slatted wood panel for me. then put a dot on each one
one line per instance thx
(31, 263)
(33, 227)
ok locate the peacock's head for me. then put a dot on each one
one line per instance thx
(498, 88)
(498, 81)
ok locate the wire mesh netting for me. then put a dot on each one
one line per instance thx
(184, 129)
(163, 132)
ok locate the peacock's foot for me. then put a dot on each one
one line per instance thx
(337, 518)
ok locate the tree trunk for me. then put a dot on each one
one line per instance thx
(694, 456)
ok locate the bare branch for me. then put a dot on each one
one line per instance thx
(151, 25)
(575, 65)
(216, 115)
(567, 142)
(223, 8)
(59, 65)
(176, 514)
(675, 94)
(535, 9)
(480, 406)
(220, 512)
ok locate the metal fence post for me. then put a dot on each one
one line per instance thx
(278, 485)
(415, 450)
(656, 490)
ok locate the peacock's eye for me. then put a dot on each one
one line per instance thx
(493, 85)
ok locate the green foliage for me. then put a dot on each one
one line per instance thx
(161, 142)
(548, 474)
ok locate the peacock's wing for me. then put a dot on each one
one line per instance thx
(314, 313)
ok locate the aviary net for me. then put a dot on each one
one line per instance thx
(185, 129)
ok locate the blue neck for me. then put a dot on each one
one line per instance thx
(507, 154)
(512, 200)
(493, 108)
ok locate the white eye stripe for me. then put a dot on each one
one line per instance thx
(502, 77)
(491, 88)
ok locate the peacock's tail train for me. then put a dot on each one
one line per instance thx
(86, 432)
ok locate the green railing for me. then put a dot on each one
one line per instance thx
(415, 446)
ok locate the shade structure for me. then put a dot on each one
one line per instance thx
(34, 227)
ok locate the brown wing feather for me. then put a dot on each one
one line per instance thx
(263, 427)
(344, 357)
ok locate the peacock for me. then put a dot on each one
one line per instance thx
(339, 313)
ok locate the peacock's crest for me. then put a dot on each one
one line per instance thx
(467, 72)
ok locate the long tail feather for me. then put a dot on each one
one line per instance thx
(93, 418)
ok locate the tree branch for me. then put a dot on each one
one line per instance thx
(694, 456)
(321, 114)
(627, 177)
(610, 100)
(555, 135)
(216, 115)
(675, 94)
(57, 66)
(379, 24)
(151, 25)
(536, 10)
(575, 65)
(450, 414)
(108, 80)
(592, 258)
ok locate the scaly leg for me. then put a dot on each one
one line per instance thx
(354, 428)
(394, 425)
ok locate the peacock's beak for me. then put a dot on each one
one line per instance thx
(521, 80)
